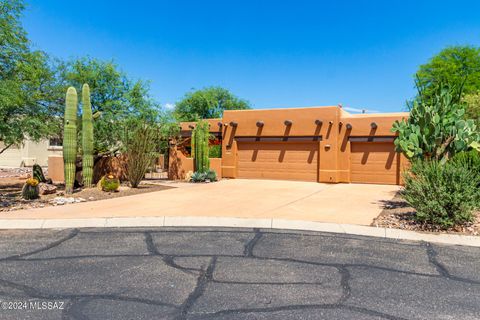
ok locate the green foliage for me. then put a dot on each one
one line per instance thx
(436, 128)
(140, 143)
(70, 138)
(207, 103)
(200, 149)
(211, 175)
(443, 194)
(29, 105)
(199, 176)
(37, 173)
(87, 137)
(30, 190)
(215, 151)
(472, 102)
(115, 99)
(469, 159)
(109, 183)
(458, 66)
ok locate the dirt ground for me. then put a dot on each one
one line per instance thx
(397, 213)
(10, 194)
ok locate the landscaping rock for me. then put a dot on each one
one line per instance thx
(45, 188)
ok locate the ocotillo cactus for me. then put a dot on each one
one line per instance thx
(70, 138)
(87, 137)
(200, 137)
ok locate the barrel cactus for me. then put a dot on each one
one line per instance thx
(87, 137)
(109, 183)
(30, 190)
(70, 138)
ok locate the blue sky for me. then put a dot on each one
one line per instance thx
(362, 54)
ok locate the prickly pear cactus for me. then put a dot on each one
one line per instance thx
(70, 138)
(87, 137)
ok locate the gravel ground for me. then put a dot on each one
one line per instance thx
(10, 194)
(397, 213)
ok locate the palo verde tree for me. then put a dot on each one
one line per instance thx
(207, 103)
(29, 103)
(200, 149)
(436, 128)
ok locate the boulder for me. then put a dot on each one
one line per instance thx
(45, 188)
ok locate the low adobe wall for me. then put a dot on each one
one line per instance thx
(179, 165)
(56, 169)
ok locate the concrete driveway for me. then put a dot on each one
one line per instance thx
(335, 203)
(195, 274)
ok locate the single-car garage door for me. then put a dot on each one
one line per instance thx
(278, 160)
(374, 162)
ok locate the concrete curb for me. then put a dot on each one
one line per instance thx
(180, 221)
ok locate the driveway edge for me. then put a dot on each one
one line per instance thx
(180, 221)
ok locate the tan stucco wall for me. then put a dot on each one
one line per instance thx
(334, 146)
(28, 154)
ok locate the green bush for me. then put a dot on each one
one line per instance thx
(215, 151)
(211, 175)
(443, 194)
(198, 176)
(470, 159)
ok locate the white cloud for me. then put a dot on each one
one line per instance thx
(169, 106)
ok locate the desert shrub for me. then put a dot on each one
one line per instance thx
(109, 183)
(30, 190)
(198, 176)
(470, 159)
(140, 142)
(211, 175)
(443, 194)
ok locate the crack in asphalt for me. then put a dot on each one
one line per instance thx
(77, 302)
(202, 281)
(54, 244)
(248, 250)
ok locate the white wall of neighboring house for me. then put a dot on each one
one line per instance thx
(28, 154)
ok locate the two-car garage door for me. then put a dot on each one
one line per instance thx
(370, 162)
(278, 160)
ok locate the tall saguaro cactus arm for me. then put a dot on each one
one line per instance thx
(200, 138)
(70, 138)
(87, 137)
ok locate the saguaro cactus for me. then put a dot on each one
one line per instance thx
(87, 137)
(200, 138)
(70, 138)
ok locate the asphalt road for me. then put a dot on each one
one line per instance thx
(232, 274)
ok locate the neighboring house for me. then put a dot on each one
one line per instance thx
(322, 144)
(30, 153)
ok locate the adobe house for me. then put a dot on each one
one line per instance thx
(321, 144)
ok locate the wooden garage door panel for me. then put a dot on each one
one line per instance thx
(373, 162)
(278, 160)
